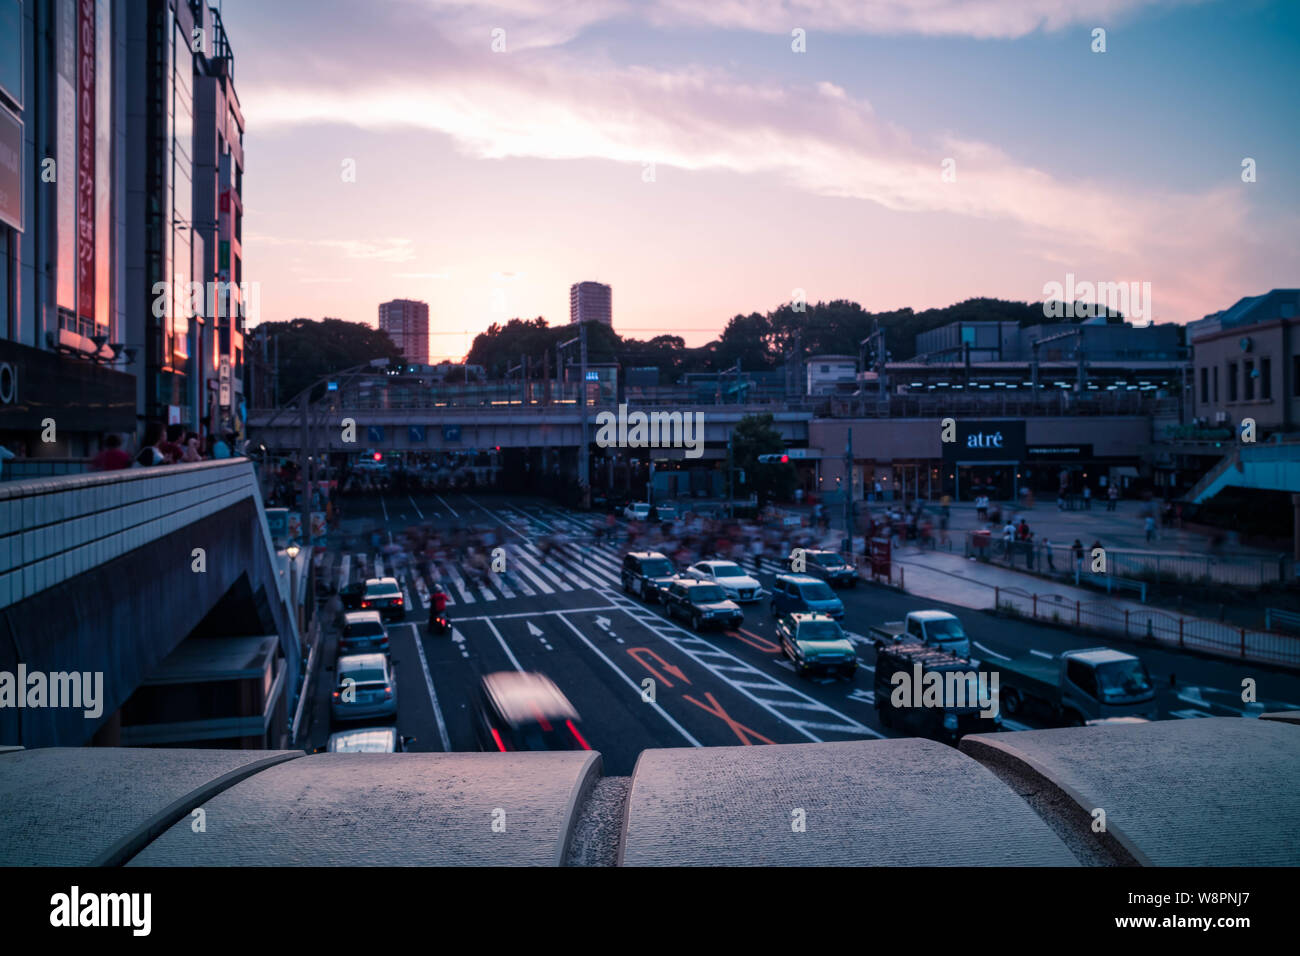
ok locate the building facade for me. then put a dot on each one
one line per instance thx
(63, 361)
(1246, 363)
(407, 323)
(591, 302)
(121, 169)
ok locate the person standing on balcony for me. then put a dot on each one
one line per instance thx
(111, 457)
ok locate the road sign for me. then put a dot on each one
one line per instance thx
(451, 433)
(375, 433)
(223, 376)
(415, 434)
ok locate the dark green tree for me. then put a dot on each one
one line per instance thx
(310, 349)
(756, 435)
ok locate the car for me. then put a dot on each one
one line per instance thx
(936, 628)
(363, 631)
(521, 710)
(815, 643)
(637, 511)
(667, 511)
(368, 740)
(385, 596)
(365, 687)
(729, 576)
(351, 594)
(803, 592)
(702, 603)
(647, 574)
(830, 566)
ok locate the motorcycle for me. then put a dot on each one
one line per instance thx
(438, 624)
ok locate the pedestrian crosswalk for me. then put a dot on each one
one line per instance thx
(528, 573)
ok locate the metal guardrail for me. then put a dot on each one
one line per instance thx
(1139, 566)
(1152, 625)
(1283, 619)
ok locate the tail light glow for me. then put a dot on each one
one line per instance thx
(496, 735)
(577, 736)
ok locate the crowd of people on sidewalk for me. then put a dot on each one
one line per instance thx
(163, 445)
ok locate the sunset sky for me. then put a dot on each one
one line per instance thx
(487, 182)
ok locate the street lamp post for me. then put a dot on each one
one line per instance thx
(292, 552)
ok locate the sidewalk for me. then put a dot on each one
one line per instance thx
(952, 578)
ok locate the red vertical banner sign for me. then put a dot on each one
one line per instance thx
(86, 159)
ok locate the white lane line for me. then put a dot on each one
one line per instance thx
(453, 511)
(1001, 657)
(504, 646)
(345, 571)
(406, 597)
(379, 566)
(416, 507)
(433, 694)
(1042, 654)
(566, 610)
(636, 688)
(849, 726)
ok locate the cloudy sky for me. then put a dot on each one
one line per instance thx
(685, 153)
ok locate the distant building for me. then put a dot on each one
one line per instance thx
(999, 341)
(591, 302)
(831, 373)
(407, 323)
(1246, 362)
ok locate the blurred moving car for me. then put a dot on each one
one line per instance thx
(830, 566)
(351, 594)
(816, 644)
(385, 596)
(637, 511)
(803, 592)
(729, 576)
(368, 740)
(647, 574)
(702, 603)
(365, 687)
(517, 710)
(363, 631)
(667, 511)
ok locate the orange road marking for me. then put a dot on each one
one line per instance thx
(740, 730)
(758, 641)
(670, 668)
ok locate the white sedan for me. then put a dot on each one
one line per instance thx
(731, 577)
(637, 511)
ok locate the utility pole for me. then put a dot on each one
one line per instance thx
(848, 490)
(304, 478)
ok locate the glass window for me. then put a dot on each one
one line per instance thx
(1232, 381)
(1248, 379)
(1266, 378)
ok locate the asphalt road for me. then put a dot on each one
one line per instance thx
(566, 616)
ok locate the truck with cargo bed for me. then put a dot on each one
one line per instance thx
(1078, 686)
(935, 628)
(923, 691)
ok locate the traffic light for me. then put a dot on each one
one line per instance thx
(379, 456)
(774, 459)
